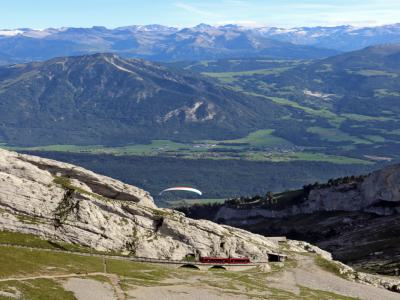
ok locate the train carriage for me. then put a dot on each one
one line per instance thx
(228, 260)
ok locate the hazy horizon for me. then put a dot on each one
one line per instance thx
(44, 14)
(183, 27)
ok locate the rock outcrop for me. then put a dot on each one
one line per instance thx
(354, 218)
(64, 202)
(378, 193)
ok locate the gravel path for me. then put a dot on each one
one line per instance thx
(308, 274)
(89, 289)
(45, 277)
(180, 292)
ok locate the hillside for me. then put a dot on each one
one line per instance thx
(68, 233)
(154, 42)
(105, 104)
(363, 82)
(344, 105)
(65, 202)
(356, 217)
(103, 99)
(361, 88)
(38, 274)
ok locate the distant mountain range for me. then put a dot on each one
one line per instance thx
(152, 42)
(104, 99)
(161, 43)
(341, 38)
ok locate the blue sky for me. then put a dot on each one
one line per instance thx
(41, 14)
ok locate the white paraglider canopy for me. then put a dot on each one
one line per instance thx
(182, 188)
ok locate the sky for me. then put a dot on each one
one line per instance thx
(40, 14)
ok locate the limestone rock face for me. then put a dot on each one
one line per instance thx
(300, 246)
(64, 202)
(378, 193)
(89, 181)
(382, 185)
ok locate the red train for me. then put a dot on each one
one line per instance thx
(228, 260)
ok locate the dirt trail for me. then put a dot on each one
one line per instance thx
(181, 292)
(49, 276)
(308, 274)
(89, 289)
(117, 287)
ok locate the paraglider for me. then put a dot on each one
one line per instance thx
(182, 188)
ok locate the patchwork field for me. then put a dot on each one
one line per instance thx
(261, 145)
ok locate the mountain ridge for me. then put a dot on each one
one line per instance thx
(164, 43)
(139, 100)
(153, 42)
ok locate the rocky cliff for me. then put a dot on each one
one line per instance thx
(357, 219)
(377, 193)
(63, 202)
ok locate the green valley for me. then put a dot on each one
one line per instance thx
(226, 115)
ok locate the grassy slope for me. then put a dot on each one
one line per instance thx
(352, 132)
(37, 289)
(18, 262)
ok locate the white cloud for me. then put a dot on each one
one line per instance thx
(195, 10)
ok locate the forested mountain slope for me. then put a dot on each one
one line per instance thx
(104, 99)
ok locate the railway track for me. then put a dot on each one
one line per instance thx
(131, 258)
